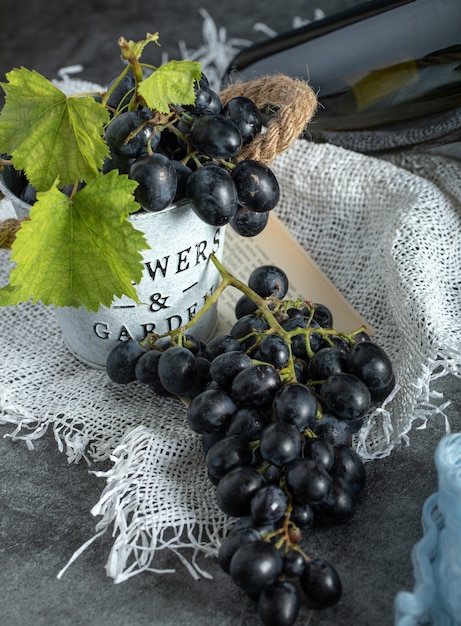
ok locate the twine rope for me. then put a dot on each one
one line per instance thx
(294, 103)
(8, 230)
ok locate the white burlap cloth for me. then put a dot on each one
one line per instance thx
(387, 232)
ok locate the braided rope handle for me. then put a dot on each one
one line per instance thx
(295, 102)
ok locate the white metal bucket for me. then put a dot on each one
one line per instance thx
(177, 277)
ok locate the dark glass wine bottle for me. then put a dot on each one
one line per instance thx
(390, 65)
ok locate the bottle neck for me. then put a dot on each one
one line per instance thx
(391, 68)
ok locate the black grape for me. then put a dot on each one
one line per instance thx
(121, 95)
(340, 343)
(345, 395)
(361, 336)
(227, 453)
(293, 563)
(174, 145)
(300, 341)
(269, 504)
(202, 377)
(297, 312)
(249, 223)
(255, 565)
(355, 424)
(275, 411)
(212, 195)
(121, 361)
(308, 481)
(146, 369)
(257, 186)
(319, 450)
(280, 443)
(236, 490)
(381, 393)
(182, 176)
(68, 190)
(159, 390)
(225, 367)
(247, 521)
(349, 466)
(321, 584)
(269, 280)
(120, 128)
(29, 194)
(339, 507)
(272, 474)
(278, 604)
(301, 369)
(156, 178)
(302, 515)
(325, 362)
(248, 422)
(323, 315)
(209, 439)
(244, 306)
(274, 349)
(233, 541)
(216, 136)
(256, 385)
(245, 114)
(219, 344)
(191, 342)
(177, 369)
(116, 162)
(247, 325)
(206, 101)
(210, 411)
(370, 363)
(295, 403)
(335, 430)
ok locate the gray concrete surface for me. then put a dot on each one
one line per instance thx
(45, 517)
(45, 503)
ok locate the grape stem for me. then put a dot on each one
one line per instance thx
(133, 62)
(288, 536)
(264, 309)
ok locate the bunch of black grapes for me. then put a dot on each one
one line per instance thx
(191, 156)
(276, 402)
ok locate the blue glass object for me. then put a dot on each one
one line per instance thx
(436, 599)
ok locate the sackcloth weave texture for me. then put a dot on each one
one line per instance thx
(386, 231)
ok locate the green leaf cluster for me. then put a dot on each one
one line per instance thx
(79, 250)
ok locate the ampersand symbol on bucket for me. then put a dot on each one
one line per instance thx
(158, 302)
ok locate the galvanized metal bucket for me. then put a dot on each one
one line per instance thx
(10, 187)
(178, 275)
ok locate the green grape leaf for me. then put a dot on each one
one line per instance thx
(80, 251)
(171, 83)
(50, 135)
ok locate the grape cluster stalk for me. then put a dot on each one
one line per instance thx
(276, 403)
